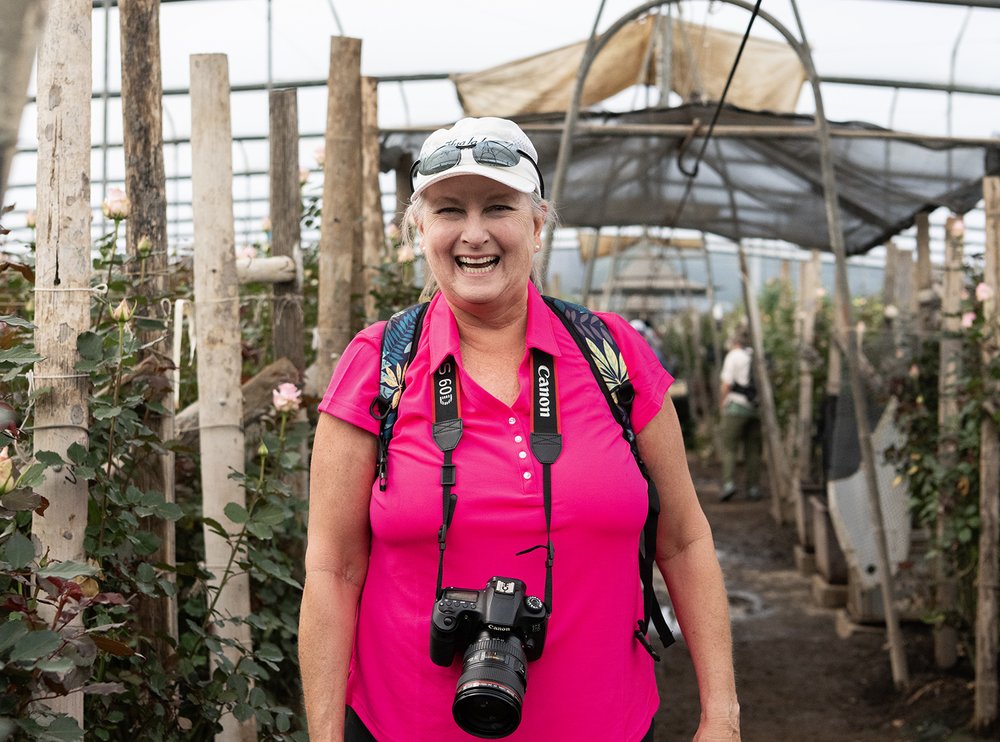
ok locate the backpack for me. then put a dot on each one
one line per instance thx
(399, 345)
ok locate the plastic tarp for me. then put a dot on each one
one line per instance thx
(769, 76)
(749, 186)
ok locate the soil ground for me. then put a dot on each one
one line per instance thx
(797, 679)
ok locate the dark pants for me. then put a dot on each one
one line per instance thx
(355, 730)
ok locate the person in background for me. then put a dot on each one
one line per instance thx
(740, 418)
(374, 555)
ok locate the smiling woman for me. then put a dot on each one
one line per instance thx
(478, 460)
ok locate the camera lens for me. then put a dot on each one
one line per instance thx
(491, 688)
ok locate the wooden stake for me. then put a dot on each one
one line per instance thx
(340, 229)
(924, 293)
(62, 280)
(809, 283)
(20, 33)
(988, 583)
(219, 363)
(404, 188)
(949, 426)
(373, 238)
(287, 323)
(146, 240)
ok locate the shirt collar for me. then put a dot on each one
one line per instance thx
(443, 337)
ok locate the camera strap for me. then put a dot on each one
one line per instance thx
(546, 445)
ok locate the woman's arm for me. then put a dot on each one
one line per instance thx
(685, 555)
(341, 476)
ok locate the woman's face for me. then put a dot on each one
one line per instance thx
(479, 238)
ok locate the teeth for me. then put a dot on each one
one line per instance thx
(478, 265)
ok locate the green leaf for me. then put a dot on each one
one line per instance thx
(269, 514)
(77, 453)
(36, 645)
(15, 321)
(236, 512)
(11, 633)
(260, 530)
(89, 345)
(242, 711)
(48, 458)
(22, 355)
(56, 664)
(32, 476)
(105, 413)
(20, 551)
(62, 729)
(66, 570)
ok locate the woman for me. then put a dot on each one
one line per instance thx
(373, 556)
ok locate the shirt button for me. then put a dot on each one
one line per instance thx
(518, 439)
(527, 475)
(511, 420)
(522, 455)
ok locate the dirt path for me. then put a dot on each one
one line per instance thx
(799, 681)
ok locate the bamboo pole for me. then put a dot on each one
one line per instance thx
(287, 323)
(280, 271)
(341, 220)
(146, 241)
(218, 323)
(588, 274)
(777, 462)
(949, 427)
(62, 280)
(809, 283)
(373, 238)
(988, 584)
(20, 32)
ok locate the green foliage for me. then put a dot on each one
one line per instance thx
(941, 464)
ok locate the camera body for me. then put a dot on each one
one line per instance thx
(501, 609)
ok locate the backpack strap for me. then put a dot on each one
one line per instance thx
(400, 337)
(598, 346)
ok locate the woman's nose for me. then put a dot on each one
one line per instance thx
(474, 230)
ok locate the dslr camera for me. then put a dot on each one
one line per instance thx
(500, 630)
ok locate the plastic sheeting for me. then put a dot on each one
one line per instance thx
(753, 186)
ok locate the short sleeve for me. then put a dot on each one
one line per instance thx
(355, 381)
(649, 379)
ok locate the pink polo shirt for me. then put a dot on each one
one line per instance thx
(594, 681)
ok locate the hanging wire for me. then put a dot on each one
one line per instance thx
(336, 18)
(691, 175)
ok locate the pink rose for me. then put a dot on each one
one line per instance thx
(983, 292)
(123, 312)
(968, 319)
(117, 205)
(286, 397)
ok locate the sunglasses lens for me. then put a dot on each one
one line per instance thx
(440, 160)
(489, 152)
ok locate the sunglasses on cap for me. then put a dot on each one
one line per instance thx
(486, 152)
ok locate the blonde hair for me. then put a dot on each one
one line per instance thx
(408, 235)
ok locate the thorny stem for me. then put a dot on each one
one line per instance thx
(111, 431)
(111, 265)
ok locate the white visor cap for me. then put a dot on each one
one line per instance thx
(464, 135)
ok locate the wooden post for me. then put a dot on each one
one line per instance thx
(949, 427)
(373, 252)
(218, 321)
(988, 584)
(340, 232)
(889, 274)
(20, 32)
(923, 277)
(809, 283)
(62, 280)
(287, 323)
(146, 240)
(404, 188)
(777, 462)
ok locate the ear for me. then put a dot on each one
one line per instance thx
(539, 219)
